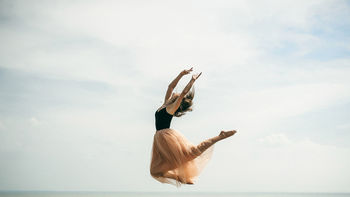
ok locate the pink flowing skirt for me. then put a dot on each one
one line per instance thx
(173, 154)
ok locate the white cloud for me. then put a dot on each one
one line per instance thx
(278, 163)
(34, 122)
(275, 139)
(153, 41)
(272, 104)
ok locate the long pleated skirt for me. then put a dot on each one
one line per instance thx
(173, 154)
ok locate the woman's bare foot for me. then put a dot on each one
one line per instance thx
(226, 134)
(182, 180)
(189, 182)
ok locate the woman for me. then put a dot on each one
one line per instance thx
(174, 159)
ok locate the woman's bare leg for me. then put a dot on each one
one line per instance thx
(200, 148)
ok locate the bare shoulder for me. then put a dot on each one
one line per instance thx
(171, 109)
(161, 107)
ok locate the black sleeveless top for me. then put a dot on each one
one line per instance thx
(163, 119)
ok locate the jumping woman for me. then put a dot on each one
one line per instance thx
(174, 159)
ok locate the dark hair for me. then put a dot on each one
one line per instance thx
(186, 103)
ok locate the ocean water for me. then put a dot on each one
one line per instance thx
(165, 194)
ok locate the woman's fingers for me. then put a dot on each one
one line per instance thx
(195, 76)
(189, 70)
(185, 72)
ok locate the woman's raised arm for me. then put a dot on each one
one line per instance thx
(173, 84)
(174, 106)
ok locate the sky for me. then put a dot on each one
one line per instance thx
(80, 82)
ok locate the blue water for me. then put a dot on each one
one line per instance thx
(164, 194)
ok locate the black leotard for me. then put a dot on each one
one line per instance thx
(163, 119)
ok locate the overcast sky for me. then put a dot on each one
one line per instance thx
(80, 82)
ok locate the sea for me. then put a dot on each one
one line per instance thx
(163, 194)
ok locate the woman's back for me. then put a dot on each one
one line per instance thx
(163, 119)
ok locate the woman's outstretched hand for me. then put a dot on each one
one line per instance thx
(185, 72)
(196, 76)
